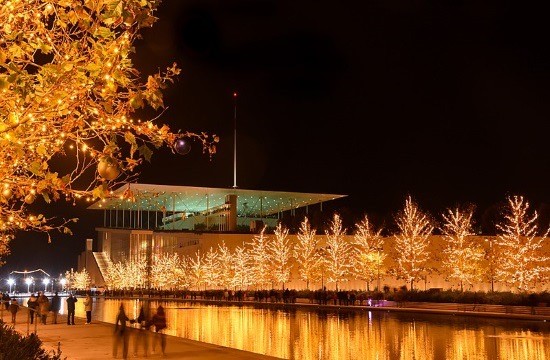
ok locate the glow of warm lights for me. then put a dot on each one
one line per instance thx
(259, 256)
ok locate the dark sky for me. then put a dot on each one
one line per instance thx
(443, 100)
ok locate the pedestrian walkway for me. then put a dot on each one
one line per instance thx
(95, 341)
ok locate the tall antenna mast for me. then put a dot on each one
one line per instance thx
(235, 139)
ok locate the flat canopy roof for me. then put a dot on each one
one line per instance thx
(190, 199)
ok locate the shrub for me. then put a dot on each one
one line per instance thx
(13, 345)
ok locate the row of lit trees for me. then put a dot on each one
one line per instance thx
(516, 259)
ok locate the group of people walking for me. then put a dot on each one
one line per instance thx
(141, 338)
(40, 306)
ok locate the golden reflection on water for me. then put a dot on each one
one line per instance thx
(308, 335)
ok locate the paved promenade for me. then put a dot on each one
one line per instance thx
(95, 341)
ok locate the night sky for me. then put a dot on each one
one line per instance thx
(445, 101)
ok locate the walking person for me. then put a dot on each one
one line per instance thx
(159, 321)
(71, 300)
(55, 306)
(143, 325)
(88, 303)
(43, 307)
(121, 333)
(14, 308)
(32, 304)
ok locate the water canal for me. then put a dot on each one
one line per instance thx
(298, 333)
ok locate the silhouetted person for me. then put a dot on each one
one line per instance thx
(33, 306)
(121, 333)
(14, 308)
(55, 306)
(88, 303)
(71, 300)
(143, 325)
(159, 321)
(43, 307)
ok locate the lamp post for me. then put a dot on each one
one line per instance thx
(63, 281)
(28, 281)
(10, 283)
(45, 281)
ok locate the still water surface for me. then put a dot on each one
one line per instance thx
(346, 335)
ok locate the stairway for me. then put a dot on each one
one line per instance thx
(103, 261)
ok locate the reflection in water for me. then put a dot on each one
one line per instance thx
(308, 335)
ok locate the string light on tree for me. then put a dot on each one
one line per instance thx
(305, 252)
(462, 256)
(337, 252)
(75, 105)
(368, 252)
(522, 263)
(412, 242)
(280, 252)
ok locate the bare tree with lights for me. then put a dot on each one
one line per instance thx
(164, 271)
(462, 256)
(259, 256)
(368, 252)
(411, 243)
(226, 266)
(197, 270)
(70, 124)
(70, 277)
(82, 280)
(242, 266)
(211, 268)
(305, 252)
(338, 252)
(522, 262)
(280, 253)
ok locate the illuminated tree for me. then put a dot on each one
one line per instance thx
(225, 267)
(280, 253)
(197, 270)
(259, 257)
(462, 256)
(70, 277)
(412, 242)
(241, 261)
(126, 275)
(164, 271)
(182, 273)
(81, 280)
(368, 252)
(70, 104)
(305, 252)
(338, 252)
(211, 268)
(522, 263)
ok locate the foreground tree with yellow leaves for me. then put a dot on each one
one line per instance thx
(69, 104)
